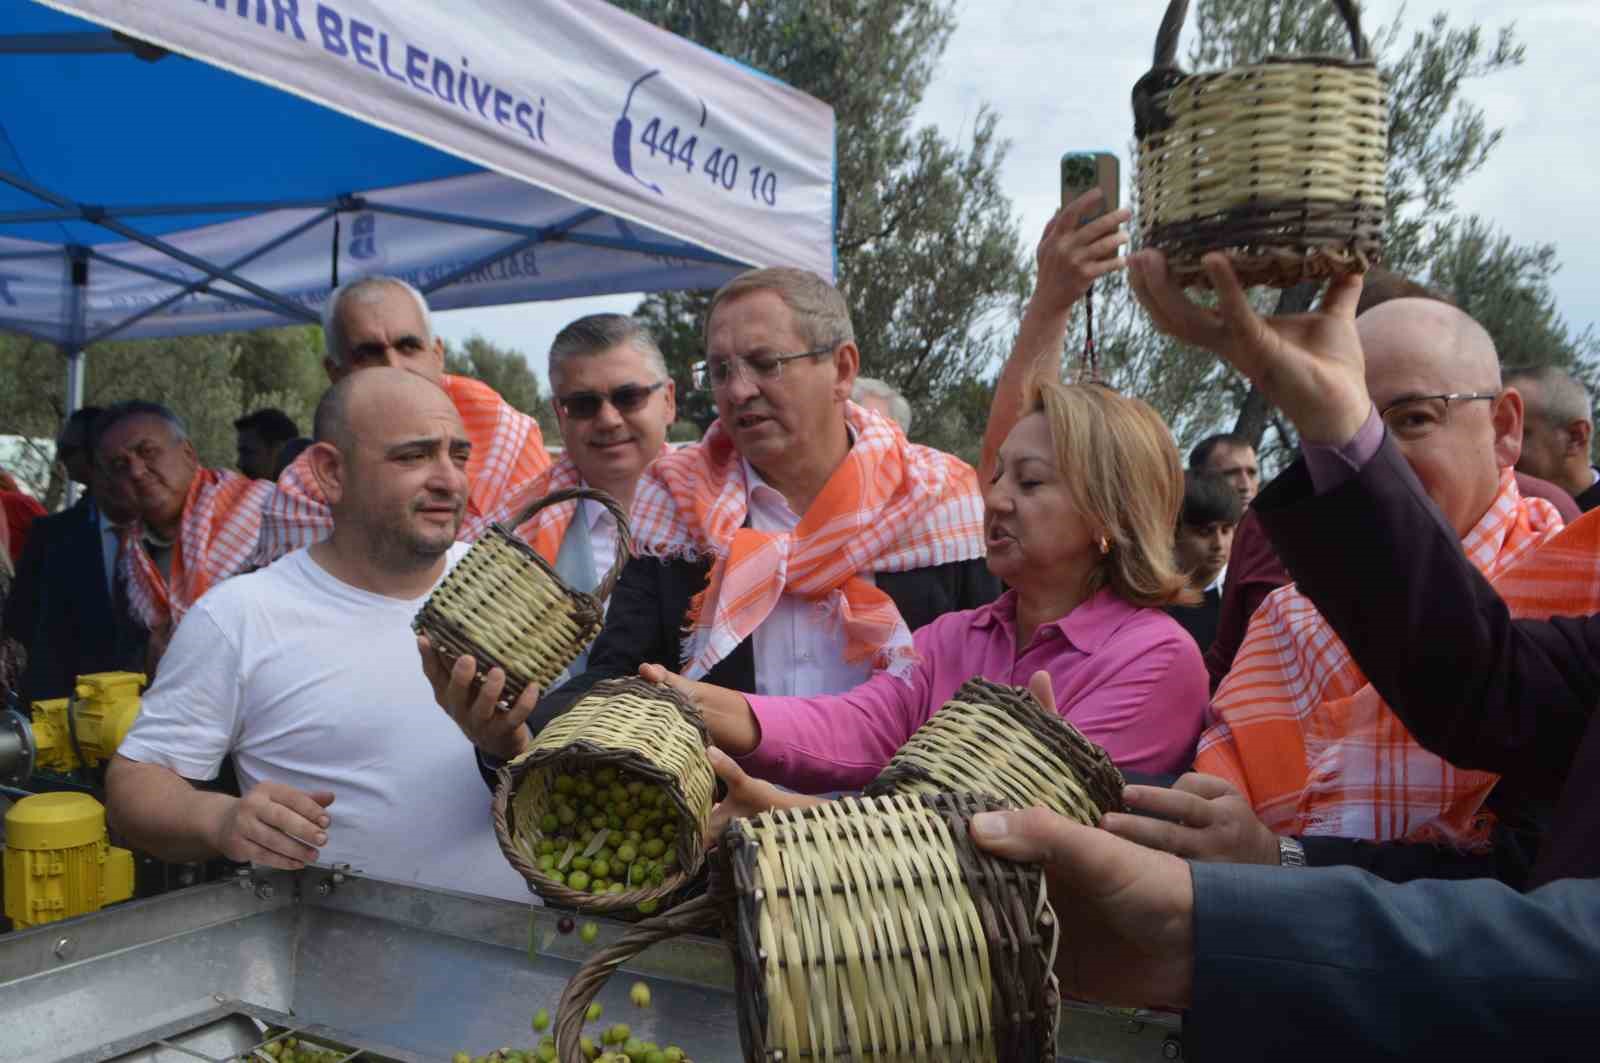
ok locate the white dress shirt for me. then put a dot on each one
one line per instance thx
(602, 536)
(798, 651)
(1216, 584)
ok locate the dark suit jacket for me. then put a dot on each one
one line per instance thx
(1333, 964)
(1481, 690)
(1200, 621)
(1590, 498)
(61, 610)
(644, 622)
(1254, 572)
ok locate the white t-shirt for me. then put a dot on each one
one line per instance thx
(316, 684)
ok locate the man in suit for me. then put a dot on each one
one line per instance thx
(64, 609)
(1330, 963)
(1557, 433)
(790, 551)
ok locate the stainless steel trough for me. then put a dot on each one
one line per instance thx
(386, 972)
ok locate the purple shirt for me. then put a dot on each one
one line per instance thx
(1130, 679)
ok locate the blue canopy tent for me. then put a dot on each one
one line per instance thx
(174, 167)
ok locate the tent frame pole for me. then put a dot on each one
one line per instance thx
(72, 350)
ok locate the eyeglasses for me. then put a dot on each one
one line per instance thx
(718, 372)
(1415, 418)
(583, 405)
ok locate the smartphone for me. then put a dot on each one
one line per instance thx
(1083, 170)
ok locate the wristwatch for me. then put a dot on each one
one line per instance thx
(1290, 852)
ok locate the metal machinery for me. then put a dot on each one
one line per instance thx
(58, 861)
(380, 971)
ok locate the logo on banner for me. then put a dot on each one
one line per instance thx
(363, 237)
(659, 148)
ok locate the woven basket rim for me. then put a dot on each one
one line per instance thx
(592, 753)
(1056, 733)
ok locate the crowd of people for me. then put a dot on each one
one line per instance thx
(1375, 674)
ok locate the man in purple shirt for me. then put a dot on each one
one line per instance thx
(1332, 963)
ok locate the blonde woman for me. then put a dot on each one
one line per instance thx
(1078, 521)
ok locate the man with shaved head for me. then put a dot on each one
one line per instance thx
(1298, 729)
(306, 672)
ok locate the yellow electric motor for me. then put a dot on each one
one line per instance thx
(102, 712)
(58, 861)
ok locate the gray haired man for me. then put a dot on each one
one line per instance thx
(1556, 432)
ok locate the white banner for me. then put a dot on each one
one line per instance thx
(574, 96)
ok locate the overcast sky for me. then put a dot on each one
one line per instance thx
(1059, 75)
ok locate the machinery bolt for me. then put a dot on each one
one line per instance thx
(266, 891)
(65, 948)
(324, 887)
(1172, 1048)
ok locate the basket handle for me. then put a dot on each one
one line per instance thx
(701, 913)
(624, 531)
(1172, 24)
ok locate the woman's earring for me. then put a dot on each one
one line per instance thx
(1105, 546)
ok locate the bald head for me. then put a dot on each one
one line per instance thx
(360, 402)
(1427, 338)
(1434, 375)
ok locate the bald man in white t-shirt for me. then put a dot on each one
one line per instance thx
(306, 672)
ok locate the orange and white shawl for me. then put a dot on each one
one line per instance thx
(1304, 736)
(890, 506)
(545, 529)
(221, 522)
(507, 452)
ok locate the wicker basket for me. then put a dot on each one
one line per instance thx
(866, 929)
(1279, 164)
(646, 731)
(998, 740)
(504, 605)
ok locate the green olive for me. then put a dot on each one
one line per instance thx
(578, 880)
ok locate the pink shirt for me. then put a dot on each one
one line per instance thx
(1131, 679)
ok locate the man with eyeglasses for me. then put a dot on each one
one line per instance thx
(383, 321)
(790, 551)
(614, 402)
(193, 527)
(1300, 732)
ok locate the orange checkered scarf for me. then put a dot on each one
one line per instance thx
(891, 506)
(221, 520)
(545, 529)
(507, 451)
(1309, 742)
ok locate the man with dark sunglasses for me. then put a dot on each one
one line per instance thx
(614, 402)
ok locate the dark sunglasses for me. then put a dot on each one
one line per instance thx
(582, 405)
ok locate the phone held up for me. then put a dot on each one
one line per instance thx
(1083, 170)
